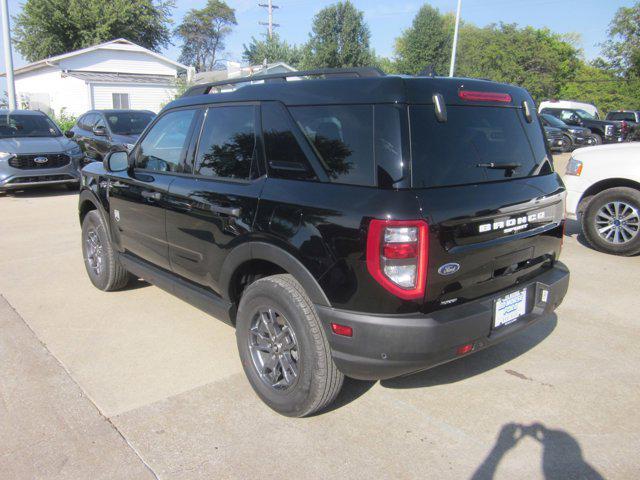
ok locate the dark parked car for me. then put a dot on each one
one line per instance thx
(97, 131)
(573, 136)
(361, 224)
(555, 138)
(631, 118)
(603, 131)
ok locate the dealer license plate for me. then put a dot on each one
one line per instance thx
(509, 308)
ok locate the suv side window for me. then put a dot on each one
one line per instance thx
(100, 122)
(343, 138)
(228, 143)
(87, 121)
(285, 158)
(163, 147)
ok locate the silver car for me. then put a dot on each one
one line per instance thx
(34, 152)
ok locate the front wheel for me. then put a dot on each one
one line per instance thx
(567, 144)
(611, 221)
(100, 259)
(284, 349)
(597, 139)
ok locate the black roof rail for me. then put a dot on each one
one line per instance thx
(359, 72)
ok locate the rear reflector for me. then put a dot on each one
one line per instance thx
(342, 330)
(473, 96)
(397, 252)
(464, 349)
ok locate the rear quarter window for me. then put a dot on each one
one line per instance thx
(454, 152)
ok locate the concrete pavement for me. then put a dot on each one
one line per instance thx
(137, 383)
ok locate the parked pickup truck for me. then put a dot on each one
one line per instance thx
(603, 192)
(358, 224)
(602, 131)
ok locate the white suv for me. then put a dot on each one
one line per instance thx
(603, 191)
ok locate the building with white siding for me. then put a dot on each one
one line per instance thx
(115, 74)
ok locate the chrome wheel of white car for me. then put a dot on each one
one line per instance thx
(618, 222)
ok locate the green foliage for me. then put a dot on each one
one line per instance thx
(64, 121)
(426, 43)
(203, 32)
(536, 59)
(272, 50)
(339, 38)
(181, 86)
(46, 28)
(622, 50)
(602, 88)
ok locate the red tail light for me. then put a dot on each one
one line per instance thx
(397, 253)
(473, 96)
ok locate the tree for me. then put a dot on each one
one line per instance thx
(536, 59)
(45, 28)
(203, 32)
(622, 50)
(426, 43)
(603, 88)
(272, 49)
(339, 38)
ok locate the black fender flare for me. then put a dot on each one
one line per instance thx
(271, 253)
(87, 195)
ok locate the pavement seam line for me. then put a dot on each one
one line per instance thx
(84, 394)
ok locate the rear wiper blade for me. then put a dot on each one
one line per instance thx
(500, 166)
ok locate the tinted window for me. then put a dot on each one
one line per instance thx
(128, 123)
(17, 125)
(453, 152)
(285, 158)
(553, 121)
(388, 144)
(88, 121)
(164, 145)
(343, 138)
(227, 144)
(619, 116)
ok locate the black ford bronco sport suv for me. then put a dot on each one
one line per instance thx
(350, 223)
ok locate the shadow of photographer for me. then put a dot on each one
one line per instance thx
(561, 456)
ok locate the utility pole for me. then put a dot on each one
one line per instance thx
(270, 8)
(455, 40)
(8, 57)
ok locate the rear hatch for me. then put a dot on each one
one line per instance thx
(485, 182)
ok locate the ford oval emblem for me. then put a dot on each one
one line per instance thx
(41, 160)
(449, 268)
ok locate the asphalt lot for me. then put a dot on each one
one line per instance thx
(137, 384)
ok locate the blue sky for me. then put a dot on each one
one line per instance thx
(387, 19)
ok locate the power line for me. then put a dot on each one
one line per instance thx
(270, 8)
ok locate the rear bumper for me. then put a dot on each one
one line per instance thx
(393, 345)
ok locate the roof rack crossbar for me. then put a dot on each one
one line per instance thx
(361, 72)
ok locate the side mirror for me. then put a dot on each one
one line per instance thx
(117, 161)
(69, 134)
(100, 131)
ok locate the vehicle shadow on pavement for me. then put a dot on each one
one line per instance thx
(480, 362)
(574, 229)
(561, 453)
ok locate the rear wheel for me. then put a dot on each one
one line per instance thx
(611, 221)
(284, 349)
(100, 259)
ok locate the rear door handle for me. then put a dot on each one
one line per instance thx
(151, 195)
(231, 211)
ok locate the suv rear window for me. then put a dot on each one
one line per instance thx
(619, 116)
(450, 153)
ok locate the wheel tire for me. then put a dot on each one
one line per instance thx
(318, 380)
(567, 144)
(110, 275)
(597, 138)
(630, 197)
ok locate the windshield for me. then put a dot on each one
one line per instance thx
(585, 115)
(17, 125)
(553, 121)
(474, 145)
(128, 123)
